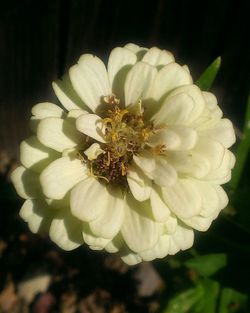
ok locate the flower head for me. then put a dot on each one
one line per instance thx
(132, 163)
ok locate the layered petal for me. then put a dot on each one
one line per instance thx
(158, 57)
(90, 80)
(58, 134)
(61, 176)
(91, 125)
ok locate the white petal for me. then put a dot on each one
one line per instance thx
(46, 109)
(165, 137)
(182, 239)
(26, 183)
(139, 51)
(90, 80)
(171, 225)
(65, 231)
(58, 134)
(187, 135)
(115, 244)
(139, 231)
(211, 104)
(158, 57)
(36, 156)
(66, 94)
(183, 198)
(108, 224)
(145, 161)
(222, 173)
(189, 163)
(93, 151)
(199, 222)
(210, 198)
(176, 110)
(91, 125)
(167, 79)
(138, 82)
(160, 250)
(36, 213)
(96, 243)
(222, 131)
(60, 176)
(75, 113)
(89, 199)
(120, 62)
(159, 208)
(131, 258)
(164, 174)
(139, 184)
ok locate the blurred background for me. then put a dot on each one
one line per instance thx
(39, 40)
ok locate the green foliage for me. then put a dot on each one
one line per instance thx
(207, 265)
(242, 150)
(231, 301)
(207, 78)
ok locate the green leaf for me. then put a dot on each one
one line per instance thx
(232, 301)
(242, 150)
(207, 78)
(184, 301)
(208, 302)
(207, 265)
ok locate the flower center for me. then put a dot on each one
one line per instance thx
(126, 134)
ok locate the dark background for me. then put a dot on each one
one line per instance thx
(39, 40)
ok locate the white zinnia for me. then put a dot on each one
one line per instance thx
(134, 161)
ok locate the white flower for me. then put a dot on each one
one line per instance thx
(134, 161)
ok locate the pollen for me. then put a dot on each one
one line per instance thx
(126, 134)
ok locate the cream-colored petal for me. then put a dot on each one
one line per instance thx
(167, 79)
(188, 137)
(90, 80)
(139, 184)
(89, 199)
(222, 173)
(115, 244)
(96, 243)
(119, 63)
(131, 258)
(165, 137)
(138, 82)
(157, 57)
(66, 231)
(160, 210)
(176, 110)
(183, 198)
(212, 104)
(92, 126)
(93, 151)
(35, 212)
(145, 161)
(139, 230)
(26, 183)
(189, 163)
(222, 131)
(199, 222)
(171, 225)
(139, 51)
(160, 250)
(61, 175)
(66, 94)
(177, 96)
(182, 239)
(58, 134)
(47, 109)
(164, 173)
(75, 113)
(35, 156)
(108, 224)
